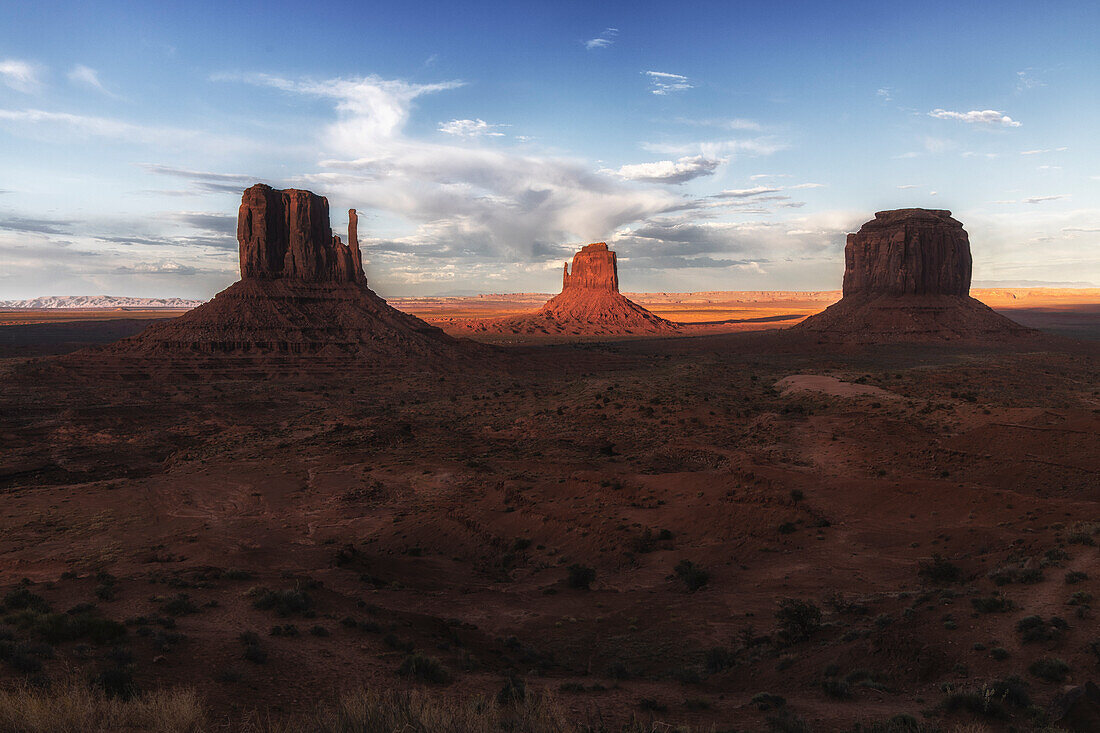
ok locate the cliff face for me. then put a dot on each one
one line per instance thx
(908, 252)
(594, 268)
(286, 234)
(907, 278)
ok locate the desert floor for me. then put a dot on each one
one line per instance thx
(939, 505)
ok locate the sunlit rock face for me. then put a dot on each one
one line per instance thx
(907, 278)
(908, 252)
(594, 268)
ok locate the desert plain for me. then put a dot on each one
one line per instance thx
(735, 527)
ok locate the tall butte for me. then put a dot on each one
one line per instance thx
(302, 290)
(589, 303)
(907, 278)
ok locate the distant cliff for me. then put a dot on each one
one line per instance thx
(99, 301)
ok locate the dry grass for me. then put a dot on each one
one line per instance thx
(74, 707)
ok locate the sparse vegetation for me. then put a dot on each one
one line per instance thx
(939, 570)
(581, 576)
(798, 620)
(288, 602)
(693, 576)
(1050, 669)
(425, 669)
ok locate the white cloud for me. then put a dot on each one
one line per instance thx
(1040, 151)
(22, 76)
(740, 193)
(662, 83)
(1040, 199)
(884, 93)
(982, 117)
(808, 185)
(763, 145)
(908, 185)
(88, 77)
(470, 128)
(669, 171)
(603, 40)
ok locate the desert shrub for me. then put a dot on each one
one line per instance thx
(897, 724)
(397, 710)
(513, 691)
(1076, 576)
(693, 576)
(798, 620)
(785, 721)
(1050, 669)
(835, 687)
(797, 495)
(425, 669)
(236, 574)
(179, 605)
(253, 650)
(787, 528)
(81, 622)
(581, 576)
(287, 602)
(999, 653)
(1024, 576)
(651, 705)
(1080, 598)
(992, 604)
(319, 631)
(1082, 533)
(22, 599)
(768, 701)
(939, 570)
(116, 681)
(719, 658)
(1034, 628)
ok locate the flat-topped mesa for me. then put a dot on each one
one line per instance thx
(594, 268)
(908, 252)
(286, 235)
(907, 278)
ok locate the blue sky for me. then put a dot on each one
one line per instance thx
(716, 146)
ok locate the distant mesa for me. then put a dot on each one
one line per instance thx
(302, 290)
(907, 278)
(589, 304)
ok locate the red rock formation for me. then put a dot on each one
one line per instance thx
(286, 234)
(907, 278)
(908, 252)
(301, 291)
(594, 268)
(589, 304)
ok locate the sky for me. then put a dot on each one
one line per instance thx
(714, 146)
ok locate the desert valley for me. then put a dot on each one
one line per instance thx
(296, 507)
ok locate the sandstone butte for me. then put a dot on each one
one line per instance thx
(907, 278)
(589, 304)
(302, 290)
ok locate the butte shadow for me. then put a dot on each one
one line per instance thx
(302, 291)
(589, 304)
(907, 278)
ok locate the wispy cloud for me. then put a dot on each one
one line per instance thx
(1041, 151)
(976, 117)
(603, 40)
(471, 128)
(1041, 199)
(670, 171)
(885, 94)
(22, 76)
(1026, 80)
(662, 83)
(88, 77)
